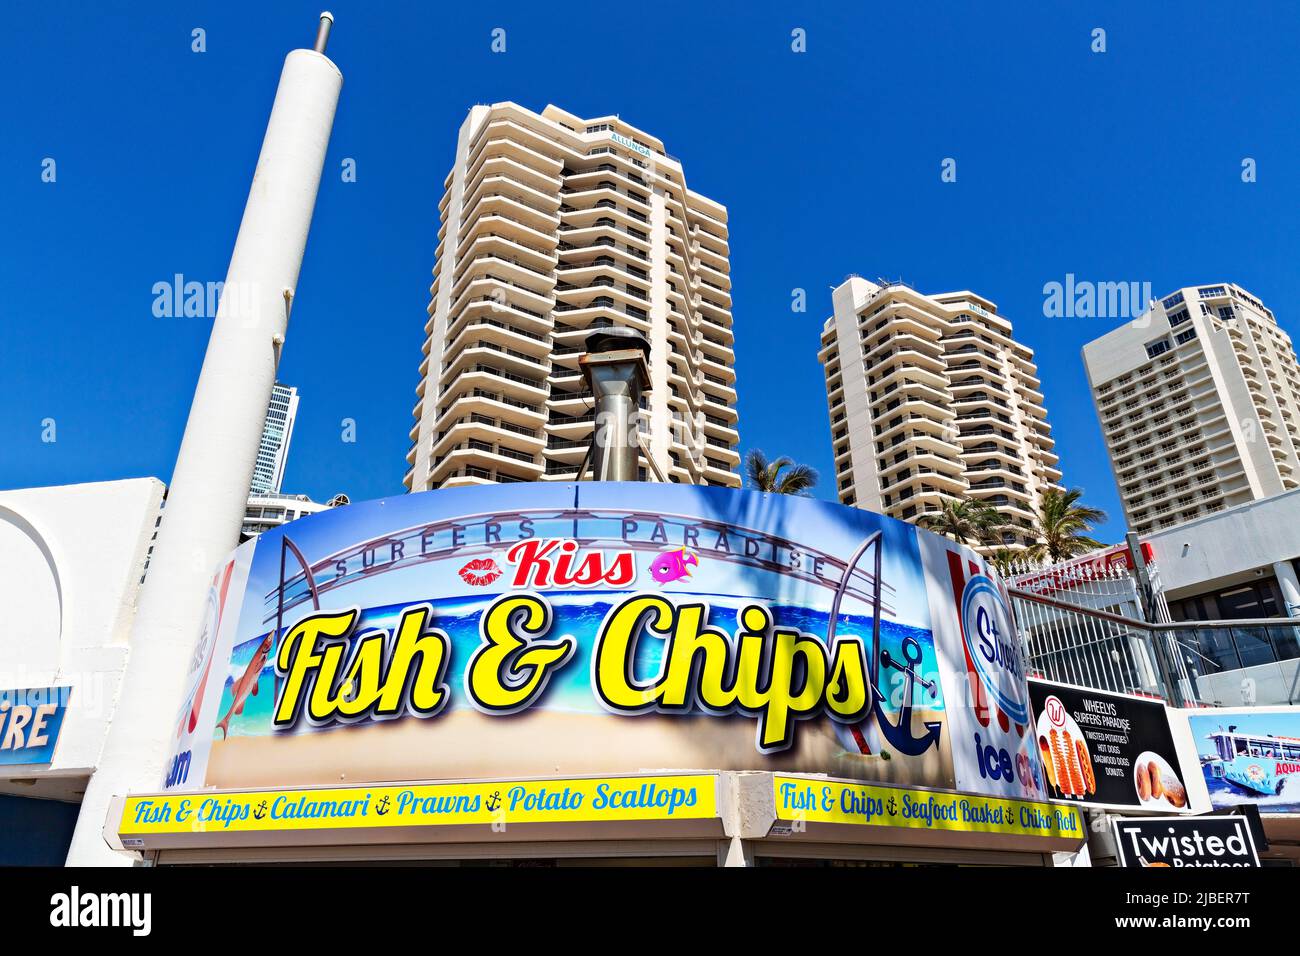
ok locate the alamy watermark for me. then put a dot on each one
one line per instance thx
(79, 908)
(1084, 299)
(192, 299)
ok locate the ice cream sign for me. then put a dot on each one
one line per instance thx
(991, 644)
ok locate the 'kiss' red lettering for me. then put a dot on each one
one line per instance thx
(555, 563)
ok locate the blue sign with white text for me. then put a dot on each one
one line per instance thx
(30, 721)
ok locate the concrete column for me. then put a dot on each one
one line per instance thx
(1080, 857)
(209, 487)
(735, 852)
(1289, 585)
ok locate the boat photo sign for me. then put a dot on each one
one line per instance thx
(1250, 755)
(604, 628)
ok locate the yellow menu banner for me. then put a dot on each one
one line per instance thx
(577, 800)
(817, 800)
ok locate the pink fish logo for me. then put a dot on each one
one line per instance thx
(673, 565)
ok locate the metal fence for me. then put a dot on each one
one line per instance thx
(1189, 663)
(1079, 584)
(1088, 646)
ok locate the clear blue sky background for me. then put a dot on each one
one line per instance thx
(1122, 166)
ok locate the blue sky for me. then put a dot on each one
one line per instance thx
(1120, 166)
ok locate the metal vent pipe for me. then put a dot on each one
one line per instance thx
(323, 31)
(617, 371)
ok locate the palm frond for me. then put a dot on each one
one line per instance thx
(779, 476)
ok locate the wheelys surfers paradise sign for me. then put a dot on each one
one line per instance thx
(541, 629)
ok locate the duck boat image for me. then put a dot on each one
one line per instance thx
(1255, 763)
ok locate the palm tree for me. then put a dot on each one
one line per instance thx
(1006, 560)
(767, 475)
(1063, 525)
(965, 520)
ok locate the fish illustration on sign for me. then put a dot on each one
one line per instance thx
(246, 686)
(208, 640)
(673, 565)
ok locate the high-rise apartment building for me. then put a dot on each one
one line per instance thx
(553, 226)
(931, 398)
(1199, 401)
(273, 450)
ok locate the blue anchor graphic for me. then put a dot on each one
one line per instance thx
(900, 735)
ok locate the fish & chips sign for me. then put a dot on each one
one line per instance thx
(499, 803)
(778, 675)
(558, 608)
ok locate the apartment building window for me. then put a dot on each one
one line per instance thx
(1185, 336)
(1158, 347)
(1179, 317)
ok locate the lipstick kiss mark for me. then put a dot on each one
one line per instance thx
(480, 572)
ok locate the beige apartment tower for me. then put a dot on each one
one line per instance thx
(553, 226)
(1199, 401)
(931, 398)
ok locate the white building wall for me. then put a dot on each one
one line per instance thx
(848, 300)
(1231, 546)
(424, 432)
(71, 560)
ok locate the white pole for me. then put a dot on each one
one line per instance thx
(209, 489)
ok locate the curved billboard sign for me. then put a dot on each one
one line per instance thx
(544, 629)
